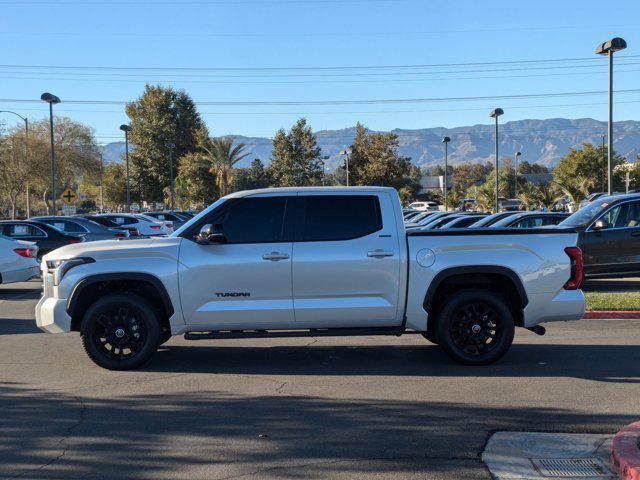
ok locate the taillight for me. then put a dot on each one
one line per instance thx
(120, 235)
(156, 227)
(170, 225)
(74, 240)
(24, 252)
(575, 254)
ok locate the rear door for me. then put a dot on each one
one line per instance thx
(346, 261)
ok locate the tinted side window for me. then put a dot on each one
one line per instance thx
(253, 220)
(73, 227)
(621, 216)
(339, 217)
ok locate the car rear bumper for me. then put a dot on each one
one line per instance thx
(52, 316)
(566, 305)
(20, 275)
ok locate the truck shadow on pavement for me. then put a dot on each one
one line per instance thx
(212, 434)
(603, 363)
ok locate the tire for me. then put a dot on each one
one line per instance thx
(475, 327)
(431, 336)
(120, 331)
(165, 336)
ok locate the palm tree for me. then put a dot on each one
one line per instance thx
(575, 188)
(222, 156)
(527, 194)
(546, 194)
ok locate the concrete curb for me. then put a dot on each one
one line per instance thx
(594, 314)
(625, 452)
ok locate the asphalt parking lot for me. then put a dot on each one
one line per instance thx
(369, 407)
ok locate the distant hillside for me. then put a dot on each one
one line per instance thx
(542, 141)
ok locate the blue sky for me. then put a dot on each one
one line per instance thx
(198, 45)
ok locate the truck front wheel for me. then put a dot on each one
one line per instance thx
(120, 331)
(475, 327)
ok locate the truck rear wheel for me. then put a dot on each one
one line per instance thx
(475, 327)
(120, 331)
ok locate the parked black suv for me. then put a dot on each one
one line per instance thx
(609, 235)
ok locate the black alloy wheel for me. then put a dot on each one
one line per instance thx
(475, 327)
(120, 331)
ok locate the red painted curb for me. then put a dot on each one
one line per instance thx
(625, 452)
(612, 314)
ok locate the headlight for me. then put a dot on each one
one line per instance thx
(59, 268)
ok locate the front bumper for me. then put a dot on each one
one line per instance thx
(52, 316)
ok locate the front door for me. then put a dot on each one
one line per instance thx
(614, 247)
(246, 282)
(346, 261)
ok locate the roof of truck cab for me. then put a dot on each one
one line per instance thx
(292, 190)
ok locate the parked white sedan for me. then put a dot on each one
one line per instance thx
(18, 260)
(145, 225)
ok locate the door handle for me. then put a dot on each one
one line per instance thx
(379, 253)
(275, 256)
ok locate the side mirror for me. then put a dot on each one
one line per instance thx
(599, 225)
(209, 236)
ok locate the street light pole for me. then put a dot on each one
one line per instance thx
(346, 154)
(495, 114)
(322, 162)
(26, 156)
(51, 100)
(446, 141)
(515, 172)
(125, 128)
(101, 182)
(171, 146)
(608, 48)
(604, 165)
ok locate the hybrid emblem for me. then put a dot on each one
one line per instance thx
(232, 294)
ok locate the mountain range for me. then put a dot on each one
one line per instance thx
(541, 141)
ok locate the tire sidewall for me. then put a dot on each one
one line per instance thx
(145, 313)
(445, 317)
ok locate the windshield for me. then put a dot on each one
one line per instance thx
(583, 216)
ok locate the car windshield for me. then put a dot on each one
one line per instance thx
(583, 216)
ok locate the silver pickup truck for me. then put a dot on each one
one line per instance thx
(311, 262)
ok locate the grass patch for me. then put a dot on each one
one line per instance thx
(613, 301)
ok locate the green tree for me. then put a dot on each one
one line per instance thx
(374, 160)
(114, 184)
(252, 177)
(223, 155)
(585, 166)
(296, 157)
(524, 167)
(161, 115)
(195, 184)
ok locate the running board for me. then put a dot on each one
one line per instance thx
(312, 332)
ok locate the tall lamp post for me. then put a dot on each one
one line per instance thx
(346, 153)
(604, 164)
(495, 114)
(322, 162)
(171, 146)
(608, 48)
(51, 100)
(446, 141)
(515, 171)
(26, 153)
(126, 128)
